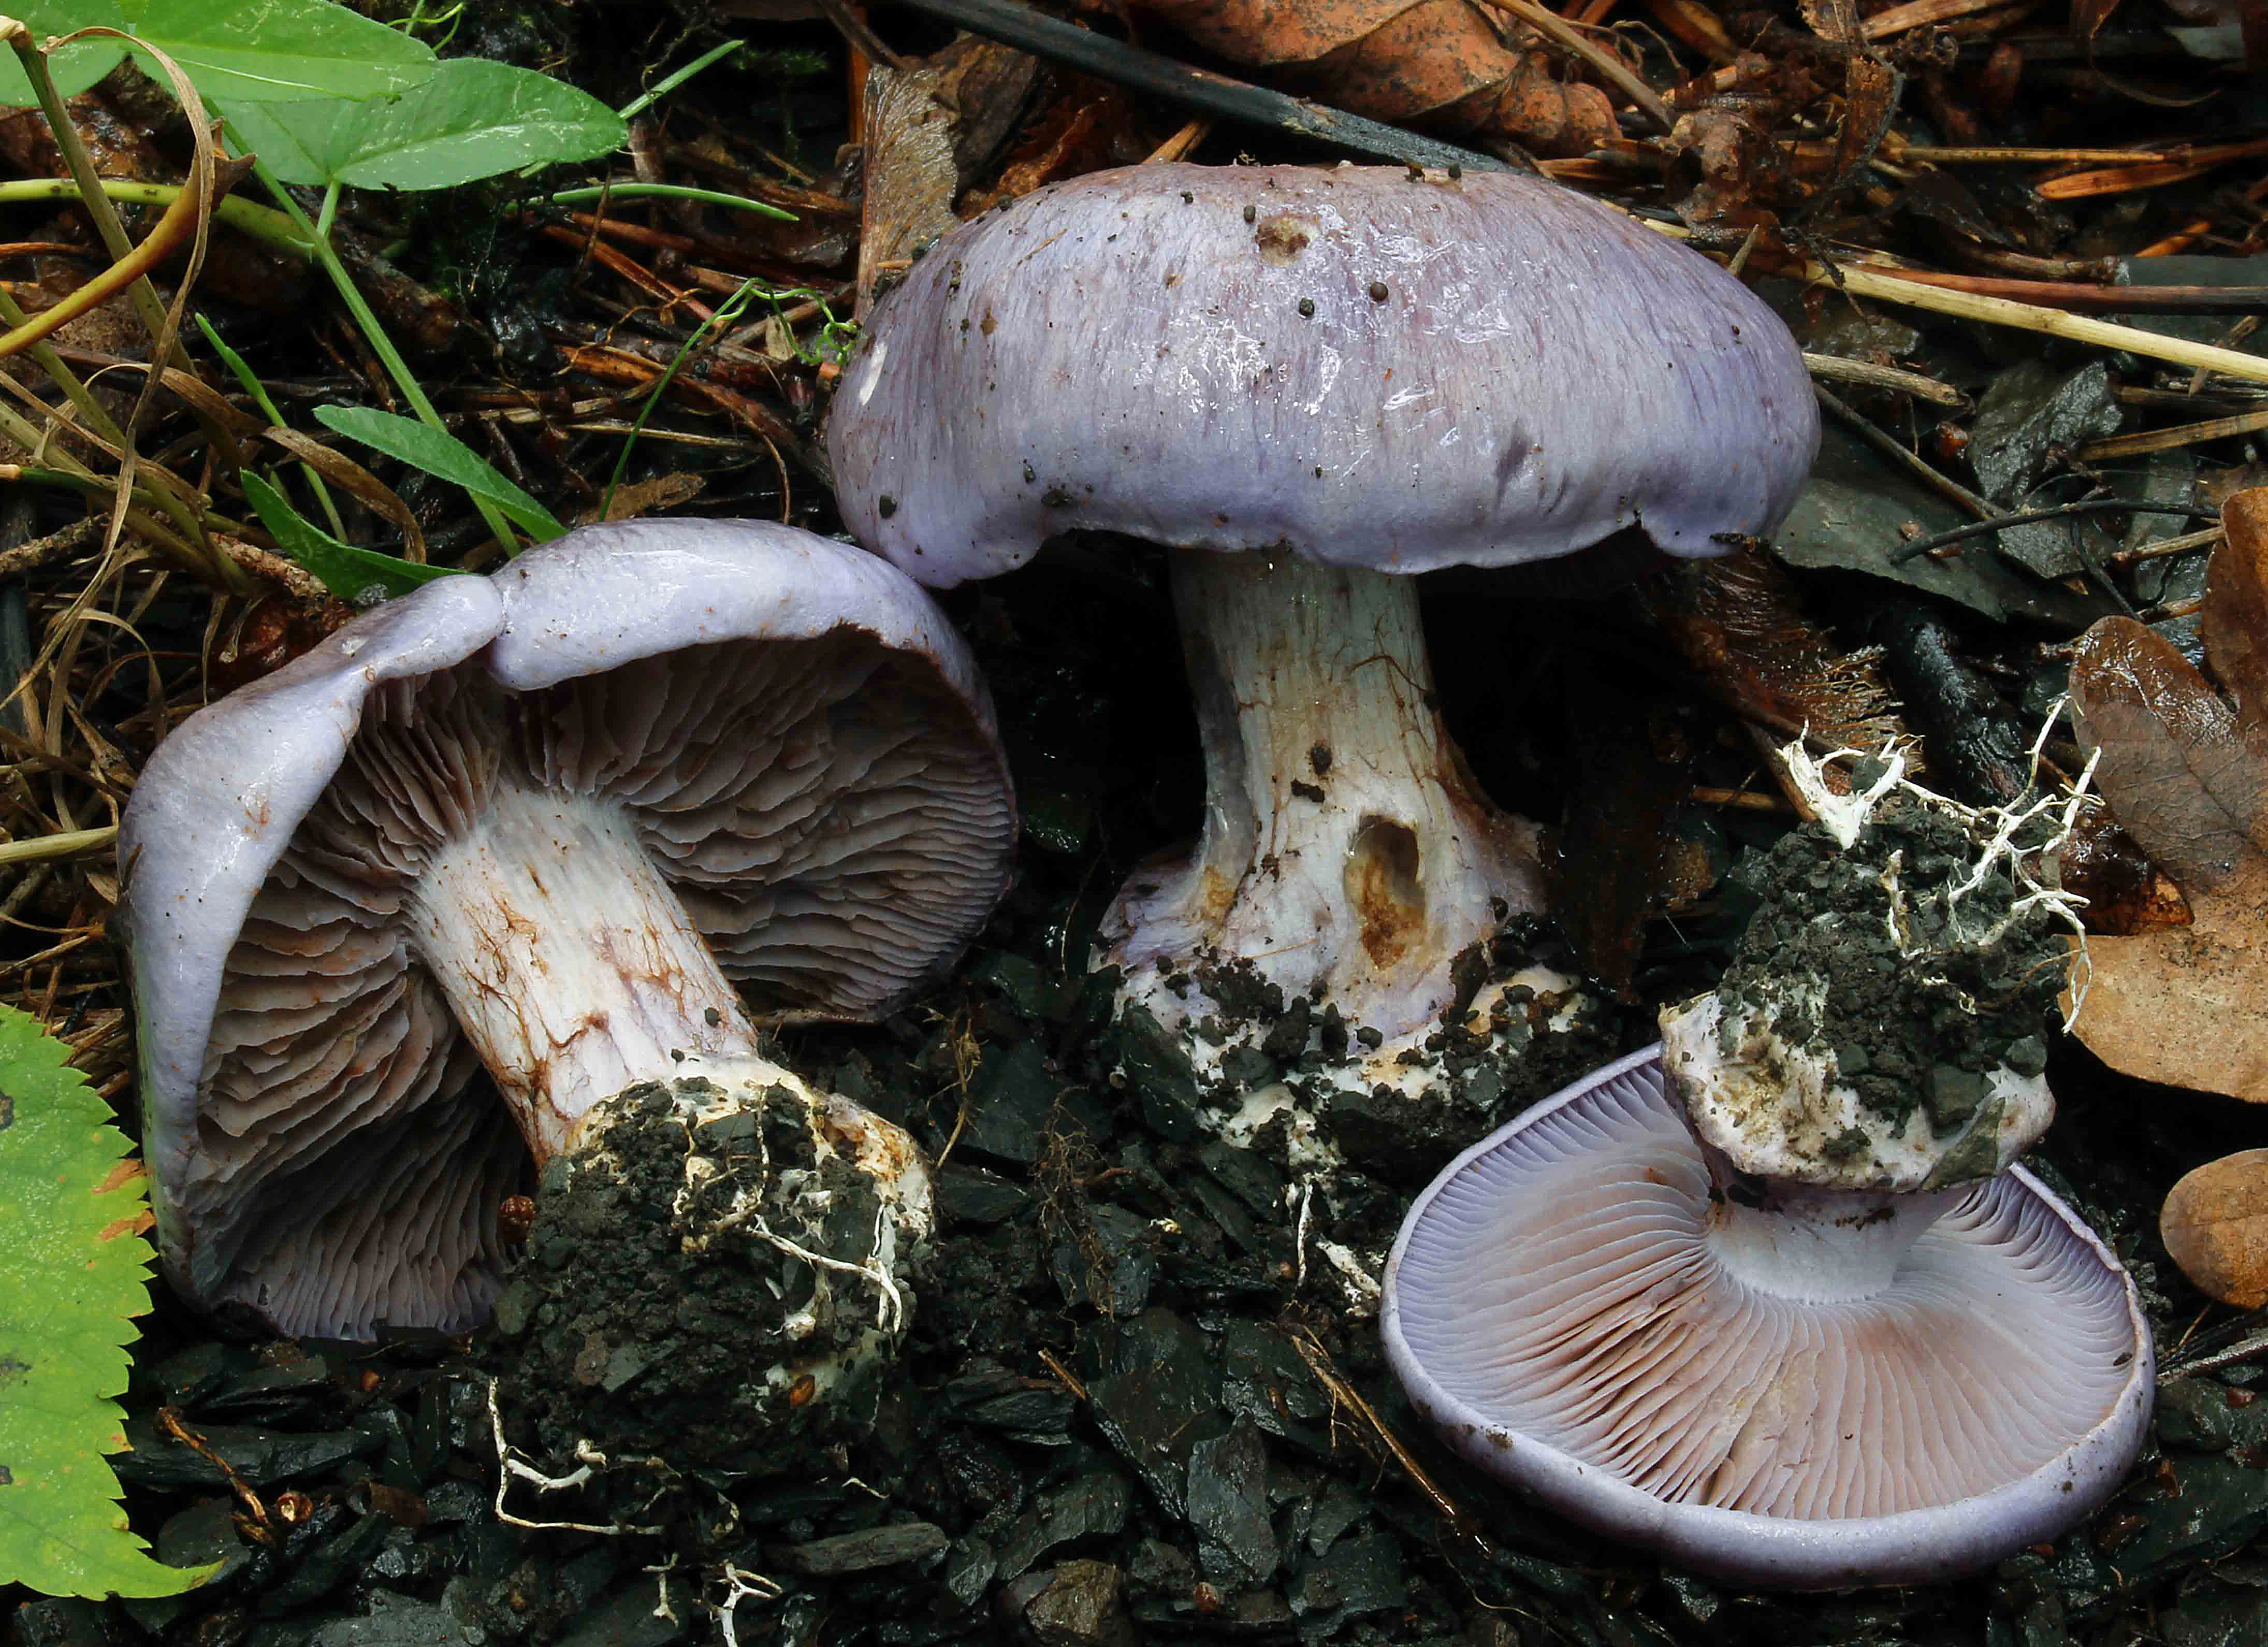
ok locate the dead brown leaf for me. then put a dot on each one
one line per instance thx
(2188, 1006)
(927, 127)
(636, 498)
(2236, 616)
(2177, 768)
(2183, 1005)
(1447, 62)
(2215, 1225)
(1870, 85)
(2126, 894)
(1078, 132)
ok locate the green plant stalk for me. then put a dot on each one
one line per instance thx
(724, 314)
(75, 477)
(638, 105)
(89, 184)
(358, 306)
(202, 556)
(417, 19)
(588, 194)
(63, 843)
(159, 488)
(252, 385)
(263, 223)
(670, 82)
(179, 226)
(837, 332)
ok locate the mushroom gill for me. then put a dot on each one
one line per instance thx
(1562, 1284)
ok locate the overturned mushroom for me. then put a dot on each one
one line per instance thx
(1311, 384)
(540, 824)
(1769, 1298)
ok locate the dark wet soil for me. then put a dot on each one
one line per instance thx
(1930, 982)
(665, 1317)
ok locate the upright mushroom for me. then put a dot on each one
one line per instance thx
(1311, 384)
(1770, 1298)
(539, 823)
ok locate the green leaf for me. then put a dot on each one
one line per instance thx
(239, 51)
(442, 455)
(73, 1277)
(473, 118)
(362, 576)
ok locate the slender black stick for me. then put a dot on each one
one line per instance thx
(1215, 94)
(1921, 546)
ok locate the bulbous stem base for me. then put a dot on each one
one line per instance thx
(1346, 848)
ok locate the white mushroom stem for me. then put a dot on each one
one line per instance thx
(1344, 844)
(1814, 1245)
(569, 962)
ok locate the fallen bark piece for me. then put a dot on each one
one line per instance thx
(860, 1551)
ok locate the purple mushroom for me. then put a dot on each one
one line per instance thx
(1771, 1297)
(1310, 384)
(542, 824)
(1579, 1307)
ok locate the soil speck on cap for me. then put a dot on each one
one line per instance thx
(1283, 237)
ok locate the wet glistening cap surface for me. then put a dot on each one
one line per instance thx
(1365, 367)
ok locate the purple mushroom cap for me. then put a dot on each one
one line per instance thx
(777, 738)
(1347, 374)
(1364, 367)
(1560, 1305)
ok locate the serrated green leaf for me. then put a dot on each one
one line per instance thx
(239, 51)
(363, 576)
(73, 1274)
(473, 118)
(441, 454)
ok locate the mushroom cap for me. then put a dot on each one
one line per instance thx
(831, 805)
(378, 1141)
(1553, 1307)
(1369, 368)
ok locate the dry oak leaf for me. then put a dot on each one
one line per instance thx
(1445, 63)
(2186, 775)
(2236, 616)
(2214, 1223)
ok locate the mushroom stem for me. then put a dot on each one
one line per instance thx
(1344, 844)
(1811, 1244)
(570, 963)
